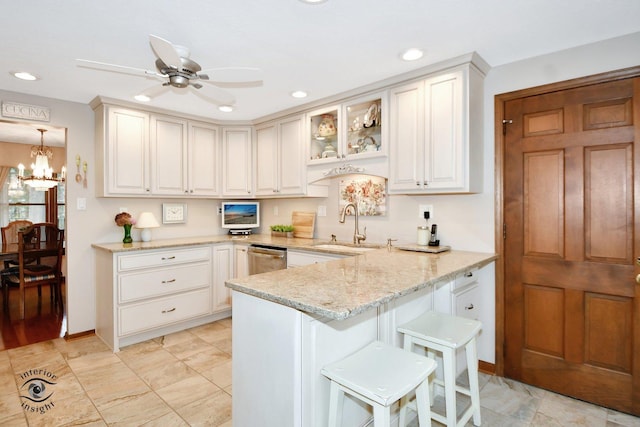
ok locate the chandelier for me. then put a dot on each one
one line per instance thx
(42, 177)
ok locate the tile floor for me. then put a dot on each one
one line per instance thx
(185, 379)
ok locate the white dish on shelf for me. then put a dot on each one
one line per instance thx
(371, 115)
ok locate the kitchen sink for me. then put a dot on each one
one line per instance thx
(345, 247)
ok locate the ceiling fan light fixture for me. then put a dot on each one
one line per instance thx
(23, 75)
(226, 108)
(412, 54)
(299, 94)
(142, 98)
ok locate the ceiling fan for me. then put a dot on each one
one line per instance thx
(177, 70)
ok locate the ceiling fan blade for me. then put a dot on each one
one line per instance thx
(165, 51)
(103, 66)
(214, 95)
(229, 75)
(257, 83)
(156, 90)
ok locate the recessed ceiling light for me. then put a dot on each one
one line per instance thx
(313, 1)
(412, 54)
(225, 108)
(23, 75)
(299, 94)
(142, 98)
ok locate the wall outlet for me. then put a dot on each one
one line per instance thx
(322, 210)
(219, 210)
(275, 211)
(425, 208)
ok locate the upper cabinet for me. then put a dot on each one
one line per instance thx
(156, 155)
(280, 166)
(349, 131)
(122, 152)
(436, 133)
(237, 162)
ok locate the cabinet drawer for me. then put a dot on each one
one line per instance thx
(160, 258)
(466, 278)
(163, 311)
(163, 281)
(298, 259)
(467, 302)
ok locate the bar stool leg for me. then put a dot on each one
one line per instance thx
(449, 359)
(336, 401)
(474, 388)
(381, 416)
(424, 412)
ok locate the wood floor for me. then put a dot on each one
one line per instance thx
(43, 320)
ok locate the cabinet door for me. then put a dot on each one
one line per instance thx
(168, 156)
(127, 163)
(222, 271)
(267, 160)
(240, 261)
(444, 150)
(406, 151)
(204, 160)
(236, 162)
(291, 157)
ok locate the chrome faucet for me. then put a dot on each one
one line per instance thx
(357, 237)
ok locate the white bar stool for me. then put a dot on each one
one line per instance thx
(446, 333)
(379, 375)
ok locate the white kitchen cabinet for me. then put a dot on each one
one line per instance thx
(168, 149)
(223, 270)
(122, 152)
(280, 167)
(300, 258)
(241, 260)
(203, 153)
(184, 157)
(353, 130)
(144, 294)
(436, 133)
(237, 162)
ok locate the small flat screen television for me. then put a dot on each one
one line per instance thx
(240, 215)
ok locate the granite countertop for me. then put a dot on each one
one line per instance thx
(336, 289)
(264, 239)
(346, 287)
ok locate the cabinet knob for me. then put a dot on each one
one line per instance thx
(469, 307)
(425, 183)
(168, 311)
(418, 183)
(469, 274)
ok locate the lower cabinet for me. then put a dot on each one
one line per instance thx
(241, 260)
(300, 258)
(149, 293)
(223, 270)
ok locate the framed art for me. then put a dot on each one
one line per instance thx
(174, 213)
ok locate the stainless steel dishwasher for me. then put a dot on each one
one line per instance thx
(264, 258)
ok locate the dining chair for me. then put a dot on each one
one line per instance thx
(44, 243)
(10, 236)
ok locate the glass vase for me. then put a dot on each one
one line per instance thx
(127, 234)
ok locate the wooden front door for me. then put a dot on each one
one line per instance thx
(571, 190)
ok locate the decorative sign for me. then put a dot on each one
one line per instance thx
(25, 111)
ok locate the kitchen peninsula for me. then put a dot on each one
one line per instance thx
(287, 324)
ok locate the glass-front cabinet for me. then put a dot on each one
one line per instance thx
(348, 131)
(324, 139)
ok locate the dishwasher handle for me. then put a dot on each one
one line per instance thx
(263, 252)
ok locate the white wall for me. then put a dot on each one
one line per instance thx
(465, 222)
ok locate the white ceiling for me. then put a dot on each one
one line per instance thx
(324, 49)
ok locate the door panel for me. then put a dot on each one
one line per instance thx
(571, 305)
